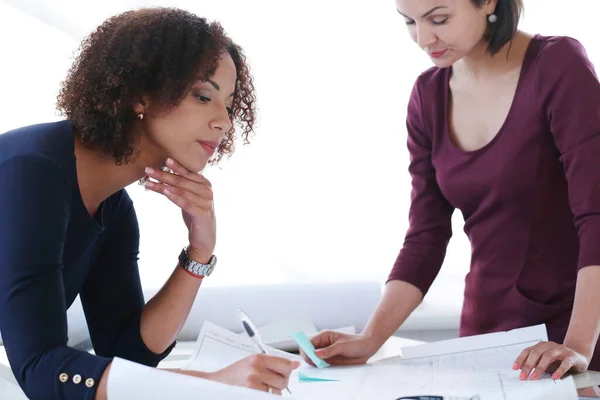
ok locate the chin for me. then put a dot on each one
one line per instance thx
(447, 60)
(444, 62)
(194, 165)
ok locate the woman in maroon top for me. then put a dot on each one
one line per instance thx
(505, 128)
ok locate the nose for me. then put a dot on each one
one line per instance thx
(425, 36)
(221, 121)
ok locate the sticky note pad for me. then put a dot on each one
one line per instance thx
(308, 348)
(306, 378)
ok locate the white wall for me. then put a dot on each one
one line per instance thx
(322, 192)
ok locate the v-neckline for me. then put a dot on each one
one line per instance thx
(522, 73)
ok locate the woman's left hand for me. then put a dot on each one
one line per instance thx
(549, 357)
(192, 193)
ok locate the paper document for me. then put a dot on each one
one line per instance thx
(460, 367)
(479, 342)
(218, 348)
(478, 365)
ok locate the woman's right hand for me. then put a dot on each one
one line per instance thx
(342, 349)
(259, 371)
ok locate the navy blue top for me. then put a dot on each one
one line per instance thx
(51, 250)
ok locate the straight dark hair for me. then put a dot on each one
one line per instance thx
(504, 29)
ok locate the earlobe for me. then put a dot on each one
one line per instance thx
(141, 106)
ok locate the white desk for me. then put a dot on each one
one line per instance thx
(180, 354)
(183, 351)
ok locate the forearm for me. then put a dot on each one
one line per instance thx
(584, 327)
(165, 314)
(197, 374)
(399, 300)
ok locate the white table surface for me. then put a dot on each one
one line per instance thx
(183, 351)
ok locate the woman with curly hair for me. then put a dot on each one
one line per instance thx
(154, 93)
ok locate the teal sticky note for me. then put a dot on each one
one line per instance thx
(306, 378)
(308, 348)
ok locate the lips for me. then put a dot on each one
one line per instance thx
(209, 145)
(437, 54)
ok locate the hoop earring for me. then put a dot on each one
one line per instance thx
(492, 18)
(140, 116)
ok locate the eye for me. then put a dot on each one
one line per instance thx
(230, 111)
(409, 22)
(439, 20)
(203, 99)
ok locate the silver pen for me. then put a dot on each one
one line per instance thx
(252, 332)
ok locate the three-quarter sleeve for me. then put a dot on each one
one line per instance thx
(430, 214)
(569, 92)
(34, 215)
(112, 296)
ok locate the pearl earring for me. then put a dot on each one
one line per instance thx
(140, 116)
(492, 18)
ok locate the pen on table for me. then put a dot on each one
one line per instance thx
(252, 332)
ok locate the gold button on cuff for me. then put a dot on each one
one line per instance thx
(77, 379)
(63, 377)
(89, 382)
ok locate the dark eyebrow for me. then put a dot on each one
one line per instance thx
(426, 14)
(216, 86)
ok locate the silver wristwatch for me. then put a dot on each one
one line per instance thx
(195, 267)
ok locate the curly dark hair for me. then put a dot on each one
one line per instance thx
(154, 52)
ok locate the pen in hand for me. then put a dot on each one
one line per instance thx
(252, 332)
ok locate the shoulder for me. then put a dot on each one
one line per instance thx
(560, 46)
(32, 170)
(560, 54)
(52, 141)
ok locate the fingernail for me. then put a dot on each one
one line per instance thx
(170, 161)
(296, 364)
(534, 376)
(149, 170)
(555, 376)
(523, 376)
(149, 184)
(515, 366)
(319, 353)
(167, 192)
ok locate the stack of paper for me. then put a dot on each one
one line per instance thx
(461, 367)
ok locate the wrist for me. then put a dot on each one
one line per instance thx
(200, 256)
(582, 347)
(374, 341)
